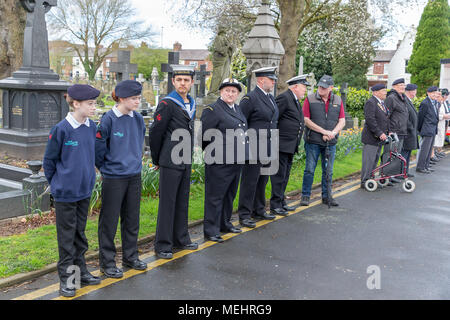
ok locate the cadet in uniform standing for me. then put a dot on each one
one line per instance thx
(69, 166)
(261, 111)
(176, 111)
(119, 146)
(290, 127)
(222, 171)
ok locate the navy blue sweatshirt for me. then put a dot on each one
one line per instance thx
(69, 161)
(119, 145)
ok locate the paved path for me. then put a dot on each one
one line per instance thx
(316, 253)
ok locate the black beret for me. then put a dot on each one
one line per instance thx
(378, 87)
(128, 88)
(83, 92)
(432, 89)
(398, 81)
(411, 87)
(444, 92)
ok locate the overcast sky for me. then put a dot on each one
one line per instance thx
(156, 13)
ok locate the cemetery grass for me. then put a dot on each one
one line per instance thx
(37, 248)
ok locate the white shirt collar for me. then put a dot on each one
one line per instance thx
(379, 100)
(230, 105)
(119, 114)
(74, 123)
(262, 90)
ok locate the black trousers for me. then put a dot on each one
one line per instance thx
(71, 220)
(280, 180)
(221, 184)
(172, 225)
(252, 194)
(120, 198)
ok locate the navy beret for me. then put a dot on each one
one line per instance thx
(444, 92)
(128, 88)
(411, 87)
(398, 81)
(378, 87)
(432, 89)
(83, 92)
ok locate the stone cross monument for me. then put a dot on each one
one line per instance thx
(263, 47)
(33, 98)
(123, 68)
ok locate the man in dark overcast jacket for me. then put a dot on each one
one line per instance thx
(398, 111)
(411, 142)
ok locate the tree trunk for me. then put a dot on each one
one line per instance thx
(12, 27)
(291, 19)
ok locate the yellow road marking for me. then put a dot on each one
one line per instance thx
(131, 273)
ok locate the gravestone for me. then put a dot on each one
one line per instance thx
(201, 77)
(174, 58)
(123, 68)
(33, 97)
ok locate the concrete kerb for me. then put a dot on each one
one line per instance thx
(23, 277)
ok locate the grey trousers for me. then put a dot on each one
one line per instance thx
(370, 157)
(426, 148)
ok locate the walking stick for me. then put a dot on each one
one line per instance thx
(328, 175)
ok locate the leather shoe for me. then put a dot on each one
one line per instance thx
(289, 208)
(279, 211)
(164, 254)
(232, 230)
(65, 291)
(112, 272)
(431, 170)
(423, 171)
(333, 202)
(410, 175)
(264, 216)
(189, 246)
(305, 201)
(136, 264)
(434, 159)
(394, 180)
(249, 223)
(216, 238)
(88, 279)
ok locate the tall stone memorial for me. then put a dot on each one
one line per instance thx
(263, 47)
(33, 97)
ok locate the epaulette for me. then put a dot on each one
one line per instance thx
(210, 108)
(246, 97)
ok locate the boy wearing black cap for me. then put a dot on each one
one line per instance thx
(176, 112)
(119, 145)
(69, 166)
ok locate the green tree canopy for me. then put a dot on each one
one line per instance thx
(146, 58)
(432, 44)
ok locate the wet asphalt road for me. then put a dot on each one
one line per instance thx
(321, 253)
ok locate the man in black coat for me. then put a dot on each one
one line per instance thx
(398, 114)
(224, 156)
(174, 112)
(411, 141)
(428, 120)
(290, 128)
(375, 131)
(261, 111)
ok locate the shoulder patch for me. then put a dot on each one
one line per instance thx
(209, 107)
(246, 97)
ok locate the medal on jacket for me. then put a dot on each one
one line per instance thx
(383, 108)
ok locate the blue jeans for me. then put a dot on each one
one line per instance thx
(312, 156)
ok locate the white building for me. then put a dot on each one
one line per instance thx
(399, 62)
(445, 74)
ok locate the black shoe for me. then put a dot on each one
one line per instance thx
(264, 216)
(434, 159)
(431, 170)
(423, 171)
(88, 279)
(136, 265)
(164, 254)
(289, 208)
(189, 246)
(333, 202)
(65, 291)
(305, 201)
(112, 272)
(394, 180)
(249, 223)
(279, 211)
(410, 175)
(216, 238)
(232, 230)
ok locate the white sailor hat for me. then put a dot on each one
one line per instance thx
(182, 70)
(230, 82)
(268, 72)
(298, 80)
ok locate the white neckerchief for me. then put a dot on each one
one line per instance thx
(74, 123)
(119, 114)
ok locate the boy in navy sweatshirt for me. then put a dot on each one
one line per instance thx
(69, 166)
(118, 147)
